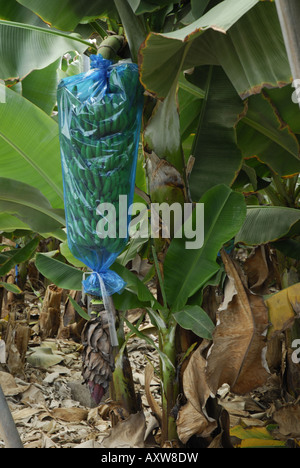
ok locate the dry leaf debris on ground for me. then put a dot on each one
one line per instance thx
(48, 414)
(44, 404)
(52, 409)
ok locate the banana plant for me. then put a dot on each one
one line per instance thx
(212, 113)
(224, 215)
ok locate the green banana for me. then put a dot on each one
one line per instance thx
(99, 158)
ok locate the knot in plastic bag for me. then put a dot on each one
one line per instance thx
(98, 62)
(112, 282)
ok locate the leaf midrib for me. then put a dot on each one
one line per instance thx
(27, 204)
(44, 31)
(197, 257)
(36, 167)
(267, 133)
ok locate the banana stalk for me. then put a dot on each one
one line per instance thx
(123, 385)
(98, 139)
(110, 47)
(169, 383)
(134, 29)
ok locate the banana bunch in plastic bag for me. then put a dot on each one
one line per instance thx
(100, 115)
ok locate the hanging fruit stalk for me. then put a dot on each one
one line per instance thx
(98, 156)
(97, 356)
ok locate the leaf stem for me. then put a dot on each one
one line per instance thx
(134, 30)
(273, 196)
(160, 280)
(98, 28)
(30, 27)
(281, 189)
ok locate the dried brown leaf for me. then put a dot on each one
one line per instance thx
(149, 374)
(33, 396)
(9, 385)
(26, 414)
(257, 269)
(288, 418)
(236, 356)
(127, 434)
(114, 408)
(192, 418)
(70, 414)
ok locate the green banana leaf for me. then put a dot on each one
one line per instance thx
(190, 100)
(194, 318)
(288, 110)
(186, 271)
(7, 262)
(29, 206)
(26, 47)
(13, 11)
(29, 146)
(135, 30)
(61, 274)
(66, 14)
(198, 7)
(66, 276)
(66, 252)
(264, 224)
(243, 36)
(263, 133)
(9, 223)
(11, 287)
(135, 285)
(40, 87)
(289, 247)
(217, 157)
(148, 6)
(162, 134)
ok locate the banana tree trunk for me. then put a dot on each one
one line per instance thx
(169, 385)
(122, 386)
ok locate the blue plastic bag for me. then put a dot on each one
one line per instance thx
(100, 115)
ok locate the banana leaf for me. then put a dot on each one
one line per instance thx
(264, 224)
(217, 157)
(66, 276)
(29, 206)
(67, 14)
(61, 274)
(29, 146)
(26, 47)
(9, 223)
(262, 133)
(243, 36)
(40, 87)
(186, 271)
(13, 11)
(7, 262)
